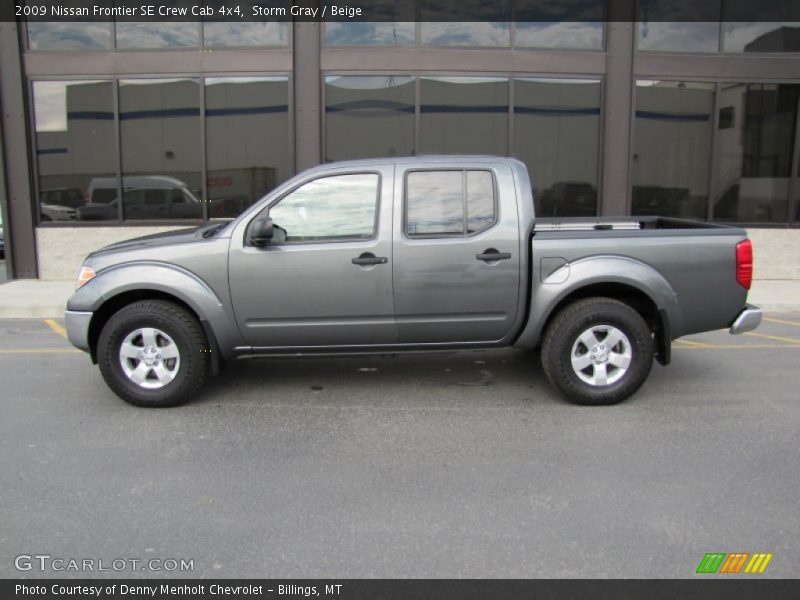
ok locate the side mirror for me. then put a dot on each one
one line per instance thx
(260, 232)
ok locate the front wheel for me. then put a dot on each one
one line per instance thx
(597, 351)
(153, 354)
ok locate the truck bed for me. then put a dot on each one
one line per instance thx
(649, 224)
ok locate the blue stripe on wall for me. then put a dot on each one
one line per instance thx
(253, 110)
(695, 117)
(370, 105)
(377, 105)
(52, 151)
(158, 114)
(95, 115)
(175, 112)
(556, 112)
(445, 108)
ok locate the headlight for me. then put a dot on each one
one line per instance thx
(85, 276)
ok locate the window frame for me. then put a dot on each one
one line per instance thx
(465, 234)
(375, 224)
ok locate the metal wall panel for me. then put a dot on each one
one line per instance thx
(615, 198)
(307, 96)
(18, 209)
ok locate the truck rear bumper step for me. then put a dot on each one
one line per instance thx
(748, 319)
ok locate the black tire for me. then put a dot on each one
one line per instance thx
(562, 337)
(183, 329)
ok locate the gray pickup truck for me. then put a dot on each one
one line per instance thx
(408, 255)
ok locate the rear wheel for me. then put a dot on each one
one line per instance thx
(153, 353)
(597, 351)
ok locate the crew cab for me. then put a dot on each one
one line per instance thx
(407, 255)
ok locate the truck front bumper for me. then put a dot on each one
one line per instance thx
(748, 319)
(77, 323)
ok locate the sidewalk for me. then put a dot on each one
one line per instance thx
(34, 299)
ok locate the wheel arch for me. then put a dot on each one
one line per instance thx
(116, 303)
(116, 287)
(627, 280)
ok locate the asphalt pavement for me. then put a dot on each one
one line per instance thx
(463, 465)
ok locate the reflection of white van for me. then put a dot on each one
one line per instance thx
(152, 197)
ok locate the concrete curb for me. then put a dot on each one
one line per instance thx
(35, 299)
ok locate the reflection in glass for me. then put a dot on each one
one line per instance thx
(220, 34)
(678, 37)
(556, 134)
(761, 37)
(480, 201)
(484, 23)
(753, 164)
(672, 147)
(587, 35)
(466, 34)
(369, 34)
(679, 26)
(334, 208)
(75, 145)
(434, 203)
(368, 116)
(160, 137)
(464, 115)
(157, 35)
(69, 36)
(247, 140)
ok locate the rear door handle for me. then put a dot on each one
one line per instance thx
(491, 255)
(369, 259)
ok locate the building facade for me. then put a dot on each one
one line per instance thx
(114, 130)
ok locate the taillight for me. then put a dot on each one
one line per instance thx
(744, 264)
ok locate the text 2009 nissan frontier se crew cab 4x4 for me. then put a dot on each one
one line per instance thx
(408, 254)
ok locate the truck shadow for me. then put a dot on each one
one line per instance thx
(502, 377)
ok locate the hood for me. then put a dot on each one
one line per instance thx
(167, 238)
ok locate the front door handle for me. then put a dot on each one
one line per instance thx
(369, 259)
(491, 255)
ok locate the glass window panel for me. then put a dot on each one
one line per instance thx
(678, 37)
(157, 35)
(369, 34)
(753, 165)
(247, 140)
(464, 115)
(586, 35)
(489, 25)
(219, 35)
(368, 116)
(160, 137)
(466, 34)
(556, 134)
(679, 26)
(672, 148)
(75, 148)
(340, 207)
(761, 37)
(69, 36)
(480, 201)
(434, 203)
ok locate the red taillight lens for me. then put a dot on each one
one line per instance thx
(744, 264)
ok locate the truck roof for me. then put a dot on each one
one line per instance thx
(421, 158)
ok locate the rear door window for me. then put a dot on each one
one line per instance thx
(449, 202)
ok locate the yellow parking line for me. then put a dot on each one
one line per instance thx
(56, 327)
(792, 341)
(771, 320)
(697, 344)
(38, 350)
(737, 347)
